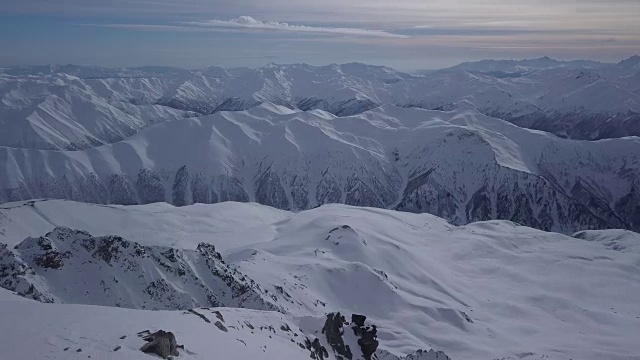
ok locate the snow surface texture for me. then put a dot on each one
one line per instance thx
(75, 107)
(64, 332)
(460, 165)
(488, 290)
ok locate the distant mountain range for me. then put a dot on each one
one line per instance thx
(77, 107)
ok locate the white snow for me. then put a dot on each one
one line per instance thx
(81, 107)
(414, 275)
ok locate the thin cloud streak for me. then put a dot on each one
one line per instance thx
(249, 23)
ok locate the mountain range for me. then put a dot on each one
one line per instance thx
(460, 165)
(76, 107)
(481, 212)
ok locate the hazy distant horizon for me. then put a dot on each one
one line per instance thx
(150, 66)
(403, 34)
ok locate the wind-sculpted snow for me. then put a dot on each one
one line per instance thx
(459, 165)
(484, 291)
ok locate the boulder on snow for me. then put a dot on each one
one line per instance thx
(358, 319)
(162, 343)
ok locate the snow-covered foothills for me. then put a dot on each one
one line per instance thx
(460, 165)
(488, 290)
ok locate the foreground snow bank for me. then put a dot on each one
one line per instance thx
(486, 290)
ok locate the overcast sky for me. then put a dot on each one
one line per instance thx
(405, 34)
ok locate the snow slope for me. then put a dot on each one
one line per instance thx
(486, 290)
(61, 331)
(62, 112)
(460, 165)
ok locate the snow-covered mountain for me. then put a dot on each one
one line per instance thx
(460, 165)
(63, 112)
(488, 290)
(76, 107)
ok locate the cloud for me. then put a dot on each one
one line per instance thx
(249, 23)
(146, 27)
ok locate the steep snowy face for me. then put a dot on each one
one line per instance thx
(71, 266)
(63, 112)
(72, 107)
(460, 165)
(487, 290)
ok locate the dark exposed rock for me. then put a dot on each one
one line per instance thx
(200, 190)
(479, 207)
(316, 350)
(269, 190)
(201, 316)
(92, 261)
(333, 332)
(427, 355)
(180, 190)
(150, 187)
(220, 326)
(630, 205)
(218, 314)
(358, 320)
(360, 194)
(162, 343)
(120, 192)
(328, 191)
(231, 189)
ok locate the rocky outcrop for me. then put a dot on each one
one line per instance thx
(161, 343)
(333, 332)
(71, 266)
(367, 336)
(358, 340)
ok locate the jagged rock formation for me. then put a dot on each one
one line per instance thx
(358, 342)
(71, 266)
(333, 332)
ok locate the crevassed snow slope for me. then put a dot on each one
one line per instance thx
(486, 290)
(460, 165)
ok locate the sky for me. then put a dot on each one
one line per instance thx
(404, 34)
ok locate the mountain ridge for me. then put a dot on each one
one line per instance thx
(460, 165)
(44, 108)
